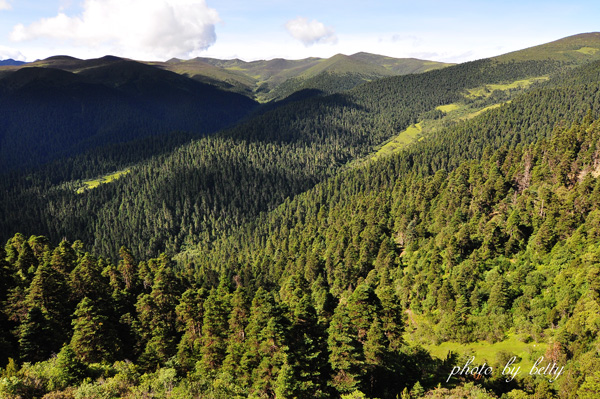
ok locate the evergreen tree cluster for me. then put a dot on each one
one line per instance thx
(65, 310)
(49, 113)
(289, 274)
(202, 190)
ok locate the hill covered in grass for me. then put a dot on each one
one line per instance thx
(576, 49)
(343, 71)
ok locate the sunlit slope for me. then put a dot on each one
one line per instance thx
(578, 49)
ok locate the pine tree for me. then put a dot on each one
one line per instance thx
(127, 268)
(363, 307)
(307, 348)
(262, 310)
(6, 278)
(157, 317)
(417, 390)
(214, 328)
(345, 351)
(271, 355)
(376, 360)
(35, 339)
(284, 386)
(190, 313)
(6, 282)
(238, 319)
(498, 300)
(71, 368)
(27, 262)
(49, 292)
(93, 338)
(87, 280)
(64, 258)
(390, 314)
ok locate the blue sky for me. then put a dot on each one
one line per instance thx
(452, 31)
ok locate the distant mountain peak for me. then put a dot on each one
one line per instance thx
(11, 62)
(62, 58)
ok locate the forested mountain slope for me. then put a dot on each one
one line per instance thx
(297, 265)
(316, 308)
(527, 119)
(516, 254)
(49, 113)
(197, 192)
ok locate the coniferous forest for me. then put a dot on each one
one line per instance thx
(163, 237)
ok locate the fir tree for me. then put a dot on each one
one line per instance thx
(49, 292)
(214, 328)
(157, 316)
(345, 351)
(190, 313)
(87, 280)
(262, 311)
(35, 338)
(93, 338)
(238, 319)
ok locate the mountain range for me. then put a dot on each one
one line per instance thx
(357, 226)
(10, 61)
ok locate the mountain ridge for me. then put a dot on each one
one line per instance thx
(11, 62)
(578, 48)
(50, 112)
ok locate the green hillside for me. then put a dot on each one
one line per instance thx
(399, 66)
(474, 274)
(341, 64)
(366, 236)
(337, 129)
(336, 74)
(320, 287)
(279, 78)
(578, 49)
(204, 72)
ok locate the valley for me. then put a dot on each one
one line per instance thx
(355, 227)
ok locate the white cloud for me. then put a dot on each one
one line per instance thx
(311, 32)
(158, 29)
(5, 5)
(7, 52)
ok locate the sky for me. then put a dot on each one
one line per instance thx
(439, 30)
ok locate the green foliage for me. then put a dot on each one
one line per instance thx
(485, 228)
(211, 186)
(93, 339)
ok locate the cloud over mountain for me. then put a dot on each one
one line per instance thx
(7, 52)
(143, 28)
(310, 33)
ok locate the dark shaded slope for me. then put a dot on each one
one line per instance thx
(49, 113)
